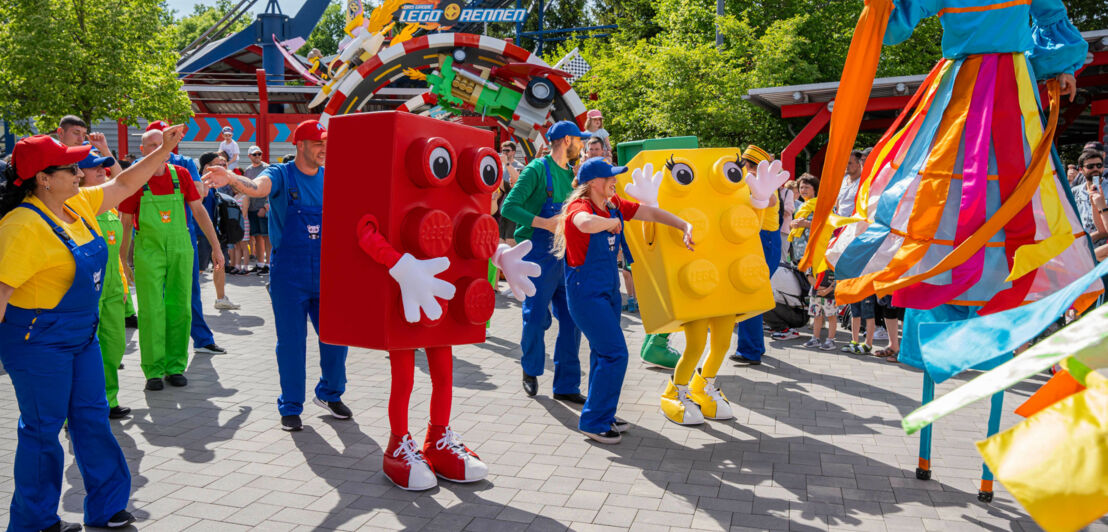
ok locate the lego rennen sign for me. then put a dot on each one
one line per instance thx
(450, 12)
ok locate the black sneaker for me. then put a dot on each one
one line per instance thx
(121, 519)
(210, 349)
(264, 270)
(291, 423)
(620, 425)
(609, 436)
(177, 380)
(120, 365)
(154, 384)
(131, 322)
(118, 412)
(336, 408)
(737, 358)
(62, 526)
(530, 385)
(575, 398)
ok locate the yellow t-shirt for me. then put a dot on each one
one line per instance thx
(769, 216)
(33, 260)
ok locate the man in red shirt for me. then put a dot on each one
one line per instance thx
(163, 265)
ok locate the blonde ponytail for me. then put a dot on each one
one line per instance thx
(559, 247)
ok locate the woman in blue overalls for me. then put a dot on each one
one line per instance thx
(52, 261)
(589, 236)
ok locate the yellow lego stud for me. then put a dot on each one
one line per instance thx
(699, 277)
(749, 273)
(739, 223)
(700, 226)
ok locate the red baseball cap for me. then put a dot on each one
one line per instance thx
(159, 125)
(309, 130)
(34, 154)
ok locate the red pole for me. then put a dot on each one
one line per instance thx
(262, 131)
(818, 122)
(121, 132)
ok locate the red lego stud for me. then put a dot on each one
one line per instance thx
(427, 232)
(478, 236)
(477, 300)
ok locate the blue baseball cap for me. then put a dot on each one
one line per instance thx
(94, 159)
(597, 167)
(563, 129)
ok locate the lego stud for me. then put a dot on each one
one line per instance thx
(476, 302)
(727, 175)
(480, 173)
(478, 236)
(749, 273)
(699, 277)
(700, 225)
(431, 162)
(739, 224)
(427, 233)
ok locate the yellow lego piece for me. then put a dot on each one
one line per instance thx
(727, 273)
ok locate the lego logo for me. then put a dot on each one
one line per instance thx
(699, 278)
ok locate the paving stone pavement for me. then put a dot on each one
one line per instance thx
(816, 445)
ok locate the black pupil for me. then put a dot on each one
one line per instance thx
(734, 174)
(488, 174)
(440, 166)
(684, 176)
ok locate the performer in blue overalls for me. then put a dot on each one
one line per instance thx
(589, 236)
(533, 204)
(295, 193)
(52, 262)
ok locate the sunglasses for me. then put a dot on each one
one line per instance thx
(1094, 166)
(71, 168)
(255, 155)
(506, 151)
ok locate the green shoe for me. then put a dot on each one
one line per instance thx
(657, 352)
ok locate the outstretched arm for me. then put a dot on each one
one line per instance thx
(131, 179)
(646, 213)
(219, 176)
(419, 286)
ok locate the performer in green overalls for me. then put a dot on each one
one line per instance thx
(114, 293)
(163, 266)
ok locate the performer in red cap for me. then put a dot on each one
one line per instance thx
(52, 265)
(295, 192)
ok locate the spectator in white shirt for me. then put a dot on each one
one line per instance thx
(230, 147)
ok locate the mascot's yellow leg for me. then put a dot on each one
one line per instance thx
(676, 404)
(702, 390)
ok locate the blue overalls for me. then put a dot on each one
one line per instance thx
(594, 303)
(294, 291)
(53, 359)
(751, 342)
(550, 288)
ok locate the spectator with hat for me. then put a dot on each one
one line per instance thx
(52, 262)
(534, 204)
(295, 192)
(229, 146)
(594, 125)
(256, 212)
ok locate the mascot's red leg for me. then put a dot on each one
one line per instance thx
(404, 464)
(443, 447)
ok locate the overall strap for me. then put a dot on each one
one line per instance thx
(294, 189)
(59, 231)
(172, 173)
(549, 178)
(623, 240)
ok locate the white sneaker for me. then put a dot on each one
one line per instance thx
(880, 334)
(788, 334)
(226, 304)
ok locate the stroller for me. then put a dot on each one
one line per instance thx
(790, 293)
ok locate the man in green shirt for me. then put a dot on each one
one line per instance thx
(533, 204)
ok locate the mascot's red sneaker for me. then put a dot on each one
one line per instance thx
(405, 465)
(450, 458)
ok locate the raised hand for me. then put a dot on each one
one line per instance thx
(518, 271)
(97, 140)
(769, 177)
(644, 185)
(419, 287)
(172, 135)
(217, 176)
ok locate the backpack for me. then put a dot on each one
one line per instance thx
(230, 225)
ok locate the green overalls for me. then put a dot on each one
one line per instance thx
(112, 296)
(163, 281)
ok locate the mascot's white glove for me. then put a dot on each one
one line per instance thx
(518, 271)
(644, 185)
(419, 287)
(769, 178)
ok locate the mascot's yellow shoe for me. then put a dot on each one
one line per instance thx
(713, 404)
(677, 406)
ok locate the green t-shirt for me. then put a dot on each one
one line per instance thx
(526, 198)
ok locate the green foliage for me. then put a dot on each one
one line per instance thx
(187, 28)
(329, 32)
(79, 57)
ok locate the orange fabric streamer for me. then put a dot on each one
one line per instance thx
(850, 104)
(1060, 386)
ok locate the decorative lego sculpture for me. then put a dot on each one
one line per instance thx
(724, 281)
(407, 266)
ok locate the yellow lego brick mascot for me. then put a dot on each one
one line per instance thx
(724, 195)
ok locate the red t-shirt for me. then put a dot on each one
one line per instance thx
(161, 185)
(577, 242)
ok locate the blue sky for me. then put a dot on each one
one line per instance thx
(183, 7)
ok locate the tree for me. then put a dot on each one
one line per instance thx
(87, 58)
(188, 28)
(329, 32)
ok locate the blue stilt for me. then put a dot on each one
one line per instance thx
(923, 472)
(997, 404)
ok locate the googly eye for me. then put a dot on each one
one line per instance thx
(733, 172)
(479, 170)
(682, 173)
(431, 162)
(489, 170)
(440, 163)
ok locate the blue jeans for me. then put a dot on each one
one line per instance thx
(751, 339)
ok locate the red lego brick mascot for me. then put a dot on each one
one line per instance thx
(405, 266)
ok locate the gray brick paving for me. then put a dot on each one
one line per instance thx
(816, 445)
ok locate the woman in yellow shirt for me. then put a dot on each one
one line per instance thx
(52, 265)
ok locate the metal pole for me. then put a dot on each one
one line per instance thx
(719, 13)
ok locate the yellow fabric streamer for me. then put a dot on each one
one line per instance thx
(1055, 463)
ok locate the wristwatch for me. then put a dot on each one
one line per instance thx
(1104, 210)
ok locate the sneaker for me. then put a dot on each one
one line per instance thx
(210, 349)
(336, 408)
(63, 526)
(121, 519)
(231, 270)
(657, 352)
(177, 380)
(154, 384)
(738, 358)
(621, 425)
(291, 423)
(264, 270)
(609, 436)
(632, 305)
(787, 334)
(406, 466)
(812, 343)
(131, 322)
(880, 334)
(863, 349)
(828, 345)
(226, 304)
(851, 348)
(118, 412)
(450, 458)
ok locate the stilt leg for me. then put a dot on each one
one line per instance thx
(923, 472)
(986, 492)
